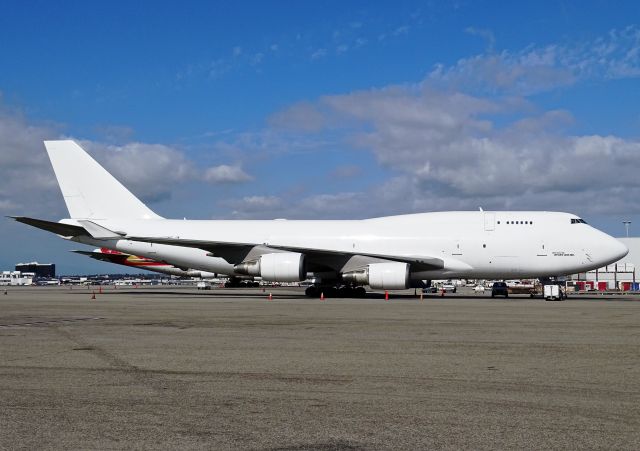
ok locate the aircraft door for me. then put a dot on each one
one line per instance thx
(489, 221)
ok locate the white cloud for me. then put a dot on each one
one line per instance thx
(487, 35)
(7, 206)
(318, 53)
(448, 145)
(261, 202)
(402, 30)
(301, 116)
(346, 171)
(26, 177)
(360, 42)
(226, 174)
(150, 171)
(256, 207)
(448, 148)
(540, 68)
(217, 68)
(256, 59)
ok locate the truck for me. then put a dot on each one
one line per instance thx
(203, 285)
(553, 293)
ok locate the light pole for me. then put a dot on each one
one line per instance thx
(626, 226)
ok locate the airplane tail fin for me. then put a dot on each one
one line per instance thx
(89, 191)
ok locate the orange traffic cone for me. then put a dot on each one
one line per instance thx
(442, 293)
(322, 296)
(386, 295)
(270, 296)
(100, 291)
(421, 296)
(93, 295)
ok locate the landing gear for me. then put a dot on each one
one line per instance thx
(234, 282)
(343, 291)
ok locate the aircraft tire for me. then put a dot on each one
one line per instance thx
(360, 292)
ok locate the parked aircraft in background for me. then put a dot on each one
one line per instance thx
(393, 252)
(134, 261)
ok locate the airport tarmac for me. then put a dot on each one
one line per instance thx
(175, 368)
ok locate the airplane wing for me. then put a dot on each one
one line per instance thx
(238, 252)
(87, 228)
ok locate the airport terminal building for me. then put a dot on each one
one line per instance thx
(44, 270)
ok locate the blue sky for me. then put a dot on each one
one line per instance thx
(322, 109)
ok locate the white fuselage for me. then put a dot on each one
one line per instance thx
(476, 244)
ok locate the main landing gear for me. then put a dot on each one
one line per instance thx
(234, 282)
(315, 291)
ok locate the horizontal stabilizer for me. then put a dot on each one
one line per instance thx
(100, 256)
(54, 227)
(88, 253)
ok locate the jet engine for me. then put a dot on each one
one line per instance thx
(380, 276)
(276, 267)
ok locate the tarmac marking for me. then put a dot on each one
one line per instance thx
(53, 322)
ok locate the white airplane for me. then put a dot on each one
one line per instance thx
(394, 252)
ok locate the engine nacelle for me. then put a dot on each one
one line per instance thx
(381, 276)
(276, 267)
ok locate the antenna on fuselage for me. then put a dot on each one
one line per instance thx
(480, 208)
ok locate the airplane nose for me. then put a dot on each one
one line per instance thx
(618, 249)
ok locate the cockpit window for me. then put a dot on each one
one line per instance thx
(578, 221)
